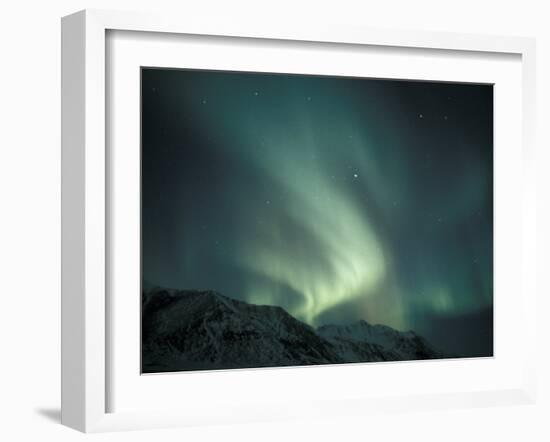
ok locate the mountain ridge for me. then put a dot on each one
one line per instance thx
(205, 330)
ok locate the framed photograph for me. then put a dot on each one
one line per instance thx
(261, 222)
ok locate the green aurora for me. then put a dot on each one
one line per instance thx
(336, 198)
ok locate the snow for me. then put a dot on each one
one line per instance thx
(189, 329)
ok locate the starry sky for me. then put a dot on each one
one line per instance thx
(335, 198)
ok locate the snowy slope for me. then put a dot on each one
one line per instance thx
(198, 330)
(362, 341)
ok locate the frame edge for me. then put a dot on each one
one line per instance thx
(73, 80)
(83, 385)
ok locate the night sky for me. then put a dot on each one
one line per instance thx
(336, 198)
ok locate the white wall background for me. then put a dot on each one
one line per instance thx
(30, 216)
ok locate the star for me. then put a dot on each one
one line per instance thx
(268, 202)
(308, 98)
(355, 175)
(204, 101)
(420, 116)
(445, 117)
(256, 93)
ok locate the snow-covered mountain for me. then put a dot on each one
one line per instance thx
(200, 330)
(364, 342)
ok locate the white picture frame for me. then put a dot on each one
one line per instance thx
(86, 203)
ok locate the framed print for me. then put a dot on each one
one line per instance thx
(251, 213)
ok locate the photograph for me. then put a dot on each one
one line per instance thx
(298, 220)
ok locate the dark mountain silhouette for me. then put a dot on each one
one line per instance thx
(203, 330)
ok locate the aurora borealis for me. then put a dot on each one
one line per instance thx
(337, 199)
